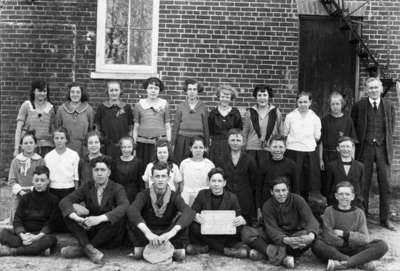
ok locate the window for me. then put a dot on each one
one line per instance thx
(127, 38)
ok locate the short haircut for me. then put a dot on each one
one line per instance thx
(84, 94)
(344, 184)
(41, 170)
(280, 180)
(101, 159)
(31, 133)
(345, 138)
(62, 130)
(263, 88)
(227, 88)
(216, 170)
(339, 95)
(109, 82)
(160, 166)
(153, 81)
(190, 81)
(371, 79)
(304, 93)
(41, 85)
(233, 131)
(277, 138)
(128, 138)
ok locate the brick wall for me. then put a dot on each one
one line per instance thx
(243, 42)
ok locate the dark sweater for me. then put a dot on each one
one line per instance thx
(35, 212)
(273, 169)
(141, 211)
(206, 200)
(282, 220)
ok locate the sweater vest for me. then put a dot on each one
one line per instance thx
(375, 125)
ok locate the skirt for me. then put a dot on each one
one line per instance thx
(146, 152)
(181, 148)
(218, 148)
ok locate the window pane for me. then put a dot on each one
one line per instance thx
(140, 47)
(141, 14)
(116, 32)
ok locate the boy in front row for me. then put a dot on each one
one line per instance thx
(33, 220)
(344, 241)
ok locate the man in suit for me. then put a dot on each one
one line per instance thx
(345, 169)
(103, 224)
(374, 119)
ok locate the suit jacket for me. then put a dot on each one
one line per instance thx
(113, 204)
(359, 116)
(203, 202)
(336, 174)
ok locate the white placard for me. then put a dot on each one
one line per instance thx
(218, 222)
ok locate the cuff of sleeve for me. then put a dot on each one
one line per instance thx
(19, 230)
(16, 189)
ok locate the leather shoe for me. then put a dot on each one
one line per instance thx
(388, 225)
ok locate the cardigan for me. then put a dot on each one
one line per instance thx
(113, 204)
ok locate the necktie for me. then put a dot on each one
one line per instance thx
(374, 106)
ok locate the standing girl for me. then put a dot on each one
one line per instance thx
(22, 168)
(152, 120)
(221, 119)
(194, 170)
(77, 116)
(303, 129)
(63, 165)
(113, 119)
(93, 147)
(191, 119)
(334, 125)
(36, 114)
(128, 169)
(163, 154)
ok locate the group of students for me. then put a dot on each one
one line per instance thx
(251, 167)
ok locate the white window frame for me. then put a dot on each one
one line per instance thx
(123, 71)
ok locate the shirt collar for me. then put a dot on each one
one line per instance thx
(371, 101)
(102, 186)
(69, 109)
(108, 104)
(22, 157)
(160, 104)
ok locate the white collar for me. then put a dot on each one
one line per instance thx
(371, 101)
(160, 104)
(22, 157)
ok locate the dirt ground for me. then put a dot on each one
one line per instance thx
(118, 259)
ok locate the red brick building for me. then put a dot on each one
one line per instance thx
(288, 44)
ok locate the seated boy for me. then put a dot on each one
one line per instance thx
(345, 169)
(290, 226)
(344, 241)
(216, 198)
(33, 220)
(158, 215)
(106, 203)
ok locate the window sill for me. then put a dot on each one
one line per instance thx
(121, 76)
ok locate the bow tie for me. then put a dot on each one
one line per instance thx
(346, 163)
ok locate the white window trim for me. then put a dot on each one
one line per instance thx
(123, 71)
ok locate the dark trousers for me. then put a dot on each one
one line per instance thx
(308, 175)
(214, 242)
(9, 238)
(257, 238)
(377, 154)
(104, 235)
(179, 241)
(354, 256)
(58, 222)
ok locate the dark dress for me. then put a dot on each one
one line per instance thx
(129, 175)
(332, 129)
(244, 181)
(336, 174)
(206, 200)
(219, 127)
(271, 170)
(114, 122)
